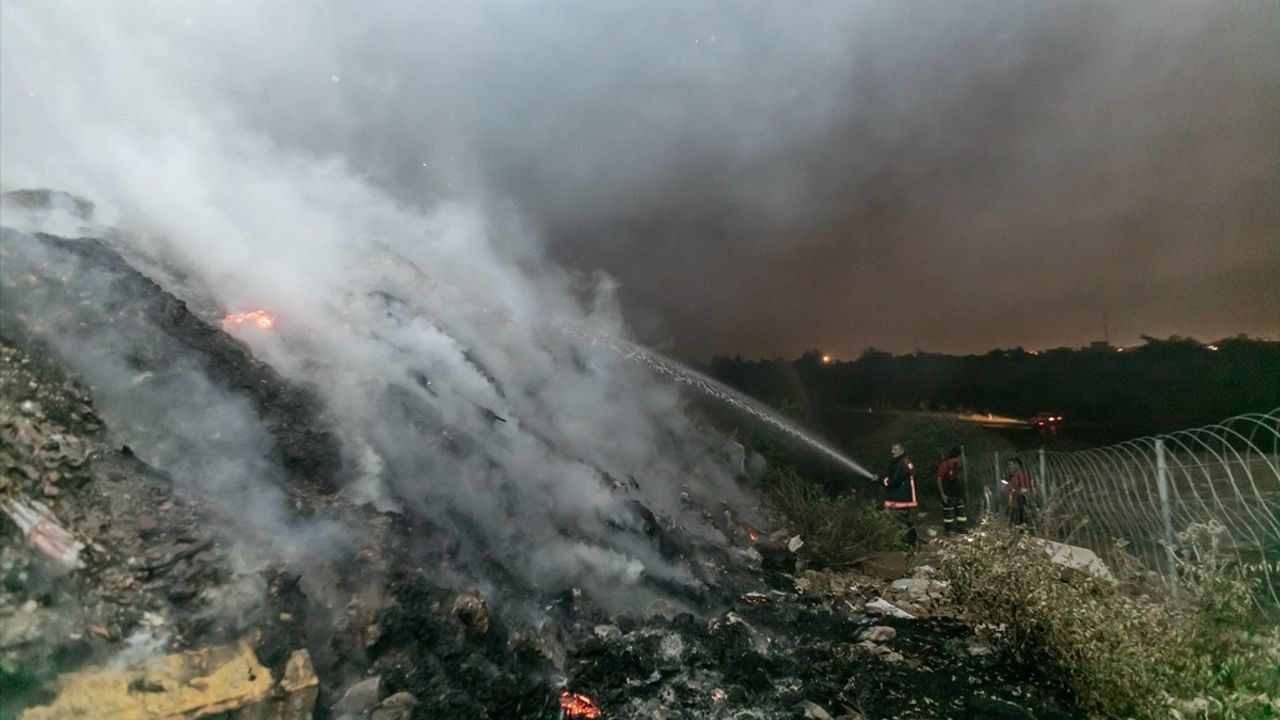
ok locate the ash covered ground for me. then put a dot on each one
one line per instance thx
(403, 614)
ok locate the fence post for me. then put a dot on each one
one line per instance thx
(995, 498)
(1166, 513)
(1043, 485)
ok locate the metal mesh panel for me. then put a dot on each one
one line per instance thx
(1156, 492)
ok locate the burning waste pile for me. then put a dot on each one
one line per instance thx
(404, 506)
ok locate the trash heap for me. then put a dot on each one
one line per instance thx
(152, 600)
(124, 595)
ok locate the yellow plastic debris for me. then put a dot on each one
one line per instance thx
(300, 686)
(226, 681)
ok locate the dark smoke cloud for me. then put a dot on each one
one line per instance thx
(763, 177)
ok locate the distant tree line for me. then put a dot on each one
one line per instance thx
(1105, 392)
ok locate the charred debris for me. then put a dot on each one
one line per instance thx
(112, 573)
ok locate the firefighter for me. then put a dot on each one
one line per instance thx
(900, 489)
(951, 489)
(1019, 484)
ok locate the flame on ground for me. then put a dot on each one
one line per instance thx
(577, 705)
(261, 318)
(752, 533)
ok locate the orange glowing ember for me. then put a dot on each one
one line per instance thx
(752, 534)
(261, 318)
(577, 705)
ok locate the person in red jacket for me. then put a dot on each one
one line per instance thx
(899, 483)
(1019, 484)
(950, 478)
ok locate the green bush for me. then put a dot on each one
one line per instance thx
(837, 531)
(1123, 655)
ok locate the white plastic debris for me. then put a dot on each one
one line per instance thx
(924, 571)
(43, 532)
(795, 543)
(880, 606)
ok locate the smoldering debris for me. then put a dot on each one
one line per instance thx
(380, 623)
(407, 611)
(80, 297)
(446, 435)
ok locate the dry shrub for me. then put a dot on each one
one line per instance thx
(1122, 655)
(837, 531)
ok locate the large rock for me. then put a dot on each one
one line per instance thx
(359, 698)
(1077, 559)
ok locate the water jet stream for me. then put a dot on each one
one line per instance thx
(716, 390)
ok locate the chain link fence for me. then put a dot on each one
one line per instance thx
(1160, 495)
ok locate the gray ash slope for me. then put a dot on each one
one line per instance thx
(380, 609)
(172, 561)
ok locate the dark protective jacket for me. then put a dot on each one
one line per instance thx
(900, 483)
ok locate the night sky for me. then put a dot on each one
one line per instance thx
(1114, 176)
(766, 177)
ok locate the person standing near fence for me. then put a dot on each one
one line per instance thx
(1019, 483)
(950, 478)
(900, 489)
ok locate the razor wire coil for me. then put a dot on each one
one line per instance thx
(1162, 495)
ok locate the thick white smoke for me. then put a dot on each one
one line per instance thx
(380, 177)
(437, 338)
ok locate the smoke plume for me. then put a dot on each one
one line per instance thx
(422, 193)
